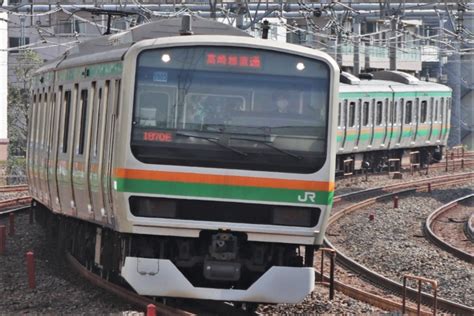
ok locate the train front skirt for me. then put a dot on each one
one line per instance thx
(160, 277)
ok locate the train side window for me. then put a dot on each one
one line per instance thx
(365, 114)
(96, 120)
(379, 113)
(45, 120)
(82, 128)
(387, 112)
(40, 117)
(423, 111)
(339, 114)
(344, 113)
(33, 120)
(408, 112)
(436, 111)
(101, 120)
(67, 112)
(431, 110)
(352, 106)
(441, 110)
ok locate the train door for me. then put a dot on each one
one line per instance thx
(386, 123)
(365, 137)
(53, 150)
(407, 122)
(108, 149)
(81, 150)
(379, 126)
(29, 143)
(423, 126)
(415, 121)
(443, 119)
(340, 129)
(351, 128)
(96, 156)
(45, 146)
(38, 148)
(344, 119)
(33, 144)
(64, 165)
(437, 123)
(430, 119)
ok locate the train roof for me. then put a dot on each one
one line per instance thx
(112, 47)
(388, 81)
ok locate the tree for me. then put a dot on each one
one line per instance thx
(19, 101)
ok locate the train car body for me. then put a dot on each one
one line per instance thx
(390, 116)
(165, 161)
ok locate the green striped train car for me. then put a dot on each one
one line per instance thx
(390, 115)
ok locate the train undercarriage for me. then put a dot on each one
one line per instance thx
(387, 160)
(217, 260)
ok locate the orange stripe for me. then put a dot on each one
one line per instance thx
(223, 180)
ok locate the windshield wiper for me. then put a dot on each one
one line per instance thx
(268, 144)
(212, 140)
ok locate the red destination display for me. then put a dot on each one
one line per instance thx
(154, 136)
(243, 61)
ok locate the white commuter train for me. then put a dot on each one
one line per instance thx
(158, 158)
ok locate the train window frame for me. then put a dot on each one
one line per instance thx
(345, 107)
(436, 114)
(365, 113)
(351, 113)
(378, 113)
(102, 118)
(408, 112)
(442, 109)
(67, 102)
(39, 114)
(95, 120)
(431, 110)
(53, 120)
(83, 101)
(416, 111)
(339, 114)
(423, 111)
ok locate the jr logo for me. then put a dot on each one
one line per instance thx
(307, 197)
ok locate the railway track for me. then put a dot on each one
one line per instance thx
(191, 307)
(369, 197)
(14, 188)
(434, 237)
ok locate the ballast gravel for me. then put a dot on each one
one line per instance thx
(59, 291)
(393, 243)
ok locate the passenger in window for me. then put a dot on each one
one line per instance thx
(147, 117)
(282, 104)
(195, 110)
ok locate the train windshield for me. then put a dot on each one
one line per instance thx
(227, 107)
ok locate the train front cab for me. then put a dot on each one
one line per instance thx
(219, 188)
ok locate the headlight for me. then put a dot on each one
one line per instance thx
(295, 216)
(152, 207)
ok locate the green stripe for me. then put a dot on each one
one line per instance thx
(95, 71)
(377, 95)
(219, 191)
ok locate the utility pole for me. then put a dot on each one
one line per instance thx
(392, 50)
(356, 27)
(454, 80)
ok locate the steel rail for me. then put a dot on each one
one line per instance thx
(10, 206)
(121, 292)
(430, 234)
(388, 188)
(378, 279)
(14, 188)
